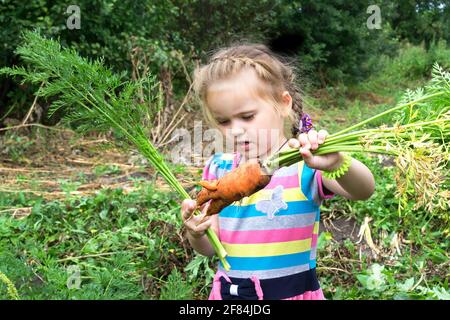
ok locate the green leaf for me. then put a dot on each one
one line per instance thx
(104, 214)
(407, 285)
(323, 240)
(363, 279)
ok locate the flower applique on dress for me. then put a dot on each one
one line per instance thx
(275, 204)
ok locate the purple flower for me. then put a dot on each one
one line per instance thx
(305, 123)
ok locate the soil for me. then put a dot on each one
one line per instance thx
(41, 161)
(341, 228)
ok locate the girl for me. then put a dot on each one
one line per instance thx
(248, 93)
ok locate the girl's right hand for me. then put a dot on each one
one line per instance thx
(192, 221)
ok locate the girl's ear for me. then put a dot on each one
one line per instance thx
(286, 100)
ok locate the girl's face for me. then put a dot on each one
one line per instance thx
(251, 122)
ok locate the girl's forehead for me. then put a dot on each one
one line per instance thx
(236, 93)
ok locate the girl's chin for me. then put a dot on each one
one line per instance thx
(246, 147)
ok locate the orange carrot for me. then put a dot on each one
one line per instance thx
(242, 182)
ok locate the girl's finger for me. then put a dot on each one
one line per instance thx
(306, 155)
(187, 206)
(294, 143)
(202, 226)
(197, 219)
(321, 136)
(312, 136)
(304, 142)
(205, 207)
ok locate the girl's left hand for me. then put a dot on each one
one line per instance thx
(310, 141)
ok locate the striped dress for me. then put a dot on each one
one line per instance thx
(271, 236)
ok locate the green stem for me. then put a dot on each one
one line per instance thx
(149, 151)
(382, 114)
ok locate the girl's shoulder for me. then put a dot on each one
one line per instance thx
(219, 164)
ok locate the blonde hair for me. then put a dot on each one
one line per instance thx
(271, 68)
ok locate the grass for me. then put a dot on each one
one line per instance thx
(124, 246)
(121, 243)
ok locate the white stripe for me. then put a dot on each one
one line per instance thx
(266, 274)
(262, 223)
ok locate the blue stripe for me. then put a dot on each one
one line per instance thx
(225, 164)
(265, 263)
(307, 176)
(312, 264)
(249, 211)
(222, 164)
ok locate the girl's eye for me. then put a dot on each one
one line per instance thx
(223, 122)
(250, 117)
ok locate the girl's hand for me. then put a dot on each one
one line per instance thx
(310, 141)
(191, 221)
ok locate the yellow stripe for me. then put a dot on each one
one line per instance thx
(316, 227)
(267, 249)
(290, 194)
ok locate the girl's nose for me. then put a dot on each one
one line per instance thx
(236, 131)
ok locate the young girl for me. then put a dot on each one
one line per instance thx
(248, 93)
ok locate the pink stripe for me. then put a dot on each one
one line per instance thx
(211, 177)
(319, 183)
(208, 175)
(205, 173)
(314, 240)
(286, 182)
(266, 236)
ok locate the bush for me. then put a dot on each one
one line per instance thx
(414, 62)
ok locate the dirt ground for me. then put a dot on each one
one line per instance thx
(54, 157)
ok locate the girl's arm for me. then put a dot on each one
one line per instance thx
(202, 244)
(357, 184)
